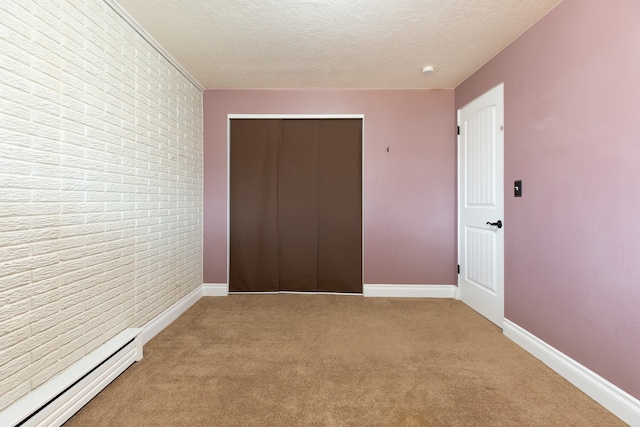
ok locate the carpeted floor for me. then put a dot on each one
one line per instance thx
(323, 360)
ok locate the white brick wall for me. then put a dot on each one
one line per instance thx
(100, 185)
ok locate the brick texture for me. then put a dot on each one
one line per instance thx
(100, 185)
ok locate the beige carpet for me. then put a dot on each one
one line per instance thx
(317, 360)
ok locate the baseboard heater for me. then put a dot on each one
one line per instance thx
(53, 403)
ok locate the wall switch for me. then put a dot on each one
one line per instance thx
(517, 188)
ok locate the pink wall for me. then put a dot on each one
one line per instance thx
(572, 134)
(409, 192)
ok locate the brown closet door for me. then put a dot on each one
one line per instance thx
(340, 206)
(253, 251)
(298, 205)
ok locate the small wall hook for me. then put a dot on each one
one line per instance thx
(388, 149)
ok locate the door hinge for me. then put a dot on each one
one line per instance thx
(458, 130)
(458, 268)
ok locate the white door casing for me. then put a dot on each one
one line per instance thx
(480, 202)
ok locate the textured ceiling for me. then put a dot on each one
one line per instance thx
(334, 43)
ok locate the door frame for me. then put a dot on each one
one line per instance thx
(499, 86)
(290, 116)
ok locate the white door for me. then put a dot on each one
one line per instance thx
(481, 205)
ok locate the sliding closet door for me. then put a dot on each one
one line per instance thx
(253, 251)
(340, 206)
(298, 205)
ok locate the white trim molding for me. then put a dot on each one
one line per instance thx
(113, 4)
(57, 400)
(619, 402)
(215, 290)
(164, 319)
(410, 291)
(295, 116)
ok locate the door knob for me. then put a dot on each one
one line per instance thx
(496, 224)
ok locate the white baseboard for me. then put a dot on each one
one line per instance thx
(215, 290)
(348, 294)
(56, 410)
(57, 400)
(619, 402)
(164, 319)
(410, 291)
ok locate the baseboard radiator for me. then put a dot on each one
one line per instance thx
(53, 403)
